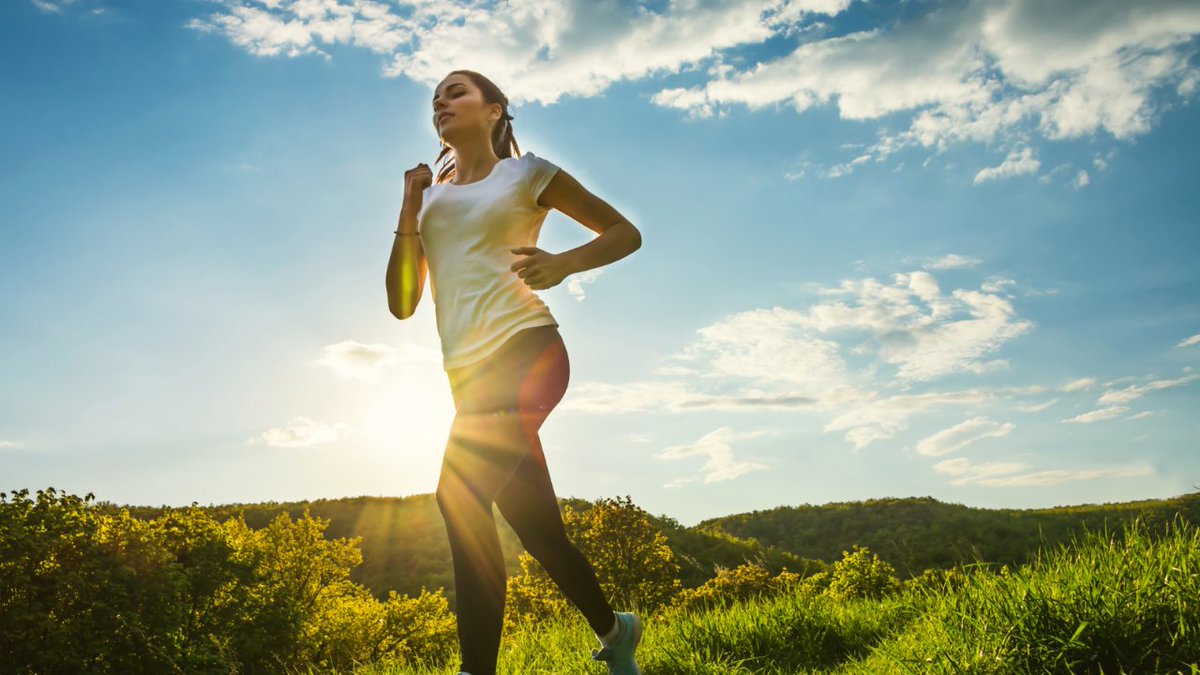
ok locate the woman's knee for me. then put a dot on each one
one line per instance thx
(545, 541)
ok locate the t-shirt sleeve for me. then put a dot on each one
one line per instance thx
(538, 174)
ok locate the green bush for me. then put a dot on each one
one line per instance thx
(746, 581)
(861, 574)
(82, 590)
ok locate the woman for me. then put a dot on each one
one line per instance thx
(475, 231)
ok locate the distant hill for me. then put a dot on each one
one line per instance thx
(921, 532)
(404, 540)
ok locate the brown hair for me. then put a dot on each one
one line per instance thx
(503, 142)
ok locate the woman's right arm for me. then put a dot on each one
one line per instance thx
(407, 266)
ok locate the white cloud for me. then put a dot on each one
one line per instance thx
(767, 345)
(909, 324)
(1097, 415)
(1056, 476)
(301, 432)
(356, 360)
(1018, 162)
(605, 398)
(1136, 391)
(952, 261)
(996, 284)
(831, 356)
(872, 420)
(998, 474)
(961, 435)
(993, 71)
(1194, 340)
(1078, 385)
(1002, 72)
(965, 472)
(719, 464)
(549, 49)
(294, 27)
(47, 6)
(1037, 407)
(576, 281)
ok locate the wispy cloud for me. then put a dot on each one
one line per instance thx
(301, 432)
(837, 355)
(952, 261)
(1056, 476)
(1097, 415)
(717, 449)
(999, 474)
(1036, 407)
(356, 360)
(47, 6)
(961, 435)
(575, 282)
(1016, 163)
(1136, 391)
(965, 472)
(1078, 385)
(876, 420)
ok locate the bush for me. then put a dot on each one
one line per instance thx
(86, 591)
(731, 585)
(861, 574)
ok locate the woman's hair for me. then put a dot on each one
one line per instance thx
(503, 142)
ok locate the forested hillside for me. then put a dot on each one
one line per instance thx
(921, 532)
(404, 544)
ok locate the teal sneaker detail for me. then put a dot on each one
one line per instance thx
(619, 655)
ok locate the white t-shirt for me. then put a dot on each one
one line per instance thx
(466, 232)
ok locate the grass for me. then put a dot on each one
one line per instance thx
(1109, 603)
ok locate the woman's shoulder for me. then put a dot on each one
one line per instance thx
(530, 157)
(536, 165)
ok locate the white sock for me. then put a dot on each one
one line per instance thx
(611, 637)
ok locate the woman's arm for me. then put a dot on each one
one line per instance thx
(407, 265)
(618, 237)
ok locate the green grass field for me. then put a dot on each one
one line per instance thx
(1108, 602)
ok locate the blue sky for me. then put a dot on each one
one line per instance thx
(889, 248)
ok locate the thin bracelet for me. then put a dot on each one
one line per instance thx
(404, 233)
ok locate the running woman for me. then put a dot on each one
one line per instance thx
(475, 231)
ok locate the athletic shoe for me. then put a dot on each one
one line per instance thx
(619, 655)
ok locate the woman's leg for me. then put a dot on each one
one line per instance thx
(530, 506)
(501, 404)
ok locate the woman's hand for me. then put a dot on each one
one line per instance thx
(541, 269)
(416, 180)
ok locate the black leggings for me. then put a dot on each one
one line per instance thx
(494, 455)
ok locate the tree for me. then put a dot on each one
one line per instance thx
(635, 566)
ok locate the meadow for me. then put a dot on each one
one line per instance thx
(89, 588)
(1107, 603)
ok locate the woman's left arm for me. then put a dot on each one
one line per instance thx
(618, 237)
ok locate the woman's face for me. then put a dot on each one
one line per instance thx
(459, 110)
